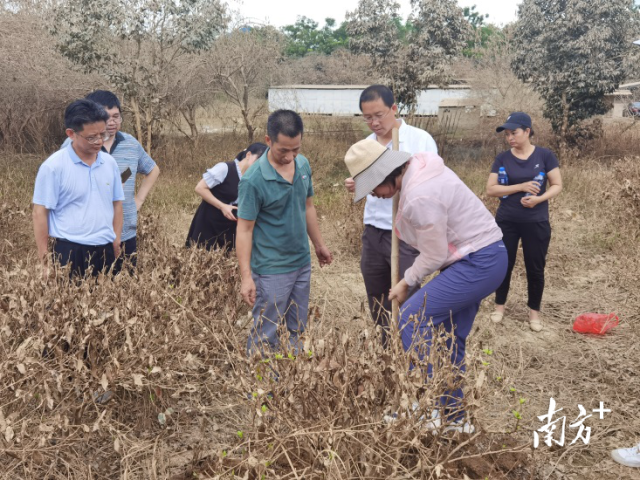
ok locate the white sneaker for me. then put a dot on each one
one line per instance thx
(460, 427)
(629, 457)
(392, 417)
(435, 423)
(415, 406)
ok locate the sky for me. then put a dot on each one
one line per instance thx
(285, 12)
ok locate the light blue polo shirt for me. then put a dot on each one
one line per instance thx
(280, 243)
(128, 153)
(79, 198)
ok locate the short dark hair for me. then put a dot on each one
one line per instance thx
(391, 178)
(255, 148)
(83, 112)
(375, 92)
(285, 122)
(105, 98)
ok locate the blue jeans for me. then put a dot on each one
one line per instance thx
(452, 300)
(280, 298)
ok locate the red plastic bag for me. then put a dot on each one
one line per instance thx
(597, 323)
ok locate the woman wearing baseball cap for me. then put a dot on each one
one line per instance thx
(454, 232)
(523, 213)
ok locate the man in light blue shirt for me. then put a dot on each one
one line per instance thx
(379, 111)
(77, 199)
(132, 159)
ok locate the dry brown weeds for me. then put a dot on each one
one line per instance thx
(169, 343)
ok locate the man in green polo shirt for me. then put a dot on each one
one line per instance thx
(275, 215)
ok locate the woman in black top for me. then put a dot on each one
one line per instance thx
(524, 213)
(214, 224)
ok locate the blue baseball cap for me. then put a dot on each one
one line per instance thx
(516, 120)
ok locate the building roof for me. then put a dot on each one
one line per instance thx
(354, 87)
(319, 87)
(620, 93)
(457, 102)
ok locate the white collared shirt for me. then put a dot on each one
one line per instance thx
(378, 211)
(215, 175)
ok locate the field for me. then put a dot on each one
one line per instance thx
(169, 343)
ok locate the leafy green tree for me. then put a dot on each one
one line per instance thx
(482, 36)
(475, 18)
(340, 36)
(412, 58)
(304, 37)
(573, 52)
(482, 32)
(404, 29)
(138, 46)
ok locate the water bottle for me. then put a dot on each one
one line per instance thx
(503, 179)
(538, 178)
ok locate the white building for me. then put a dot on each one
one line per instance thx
(621, 98)
(343, 100)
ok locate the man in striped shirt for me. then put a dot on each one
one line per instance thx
(131, 157)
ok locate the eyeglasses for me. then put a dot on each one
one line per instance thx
(116, 119)
(103, 137)
(377, 117)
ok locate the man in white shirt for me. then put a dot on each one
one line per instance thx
(379, 111)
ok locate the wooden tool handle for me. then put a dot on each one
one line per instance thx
(395, 242)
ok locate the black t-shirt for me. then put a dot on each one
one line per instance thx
(521, 171)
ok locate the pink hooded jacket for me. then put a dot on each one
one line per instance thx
(440, 217)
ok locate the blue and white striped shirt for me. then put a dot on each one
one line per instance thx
(128, 153)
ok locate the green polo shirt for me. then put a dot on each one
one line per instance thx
(280, 243)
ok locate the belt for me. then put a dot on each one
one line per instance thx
(65, 241)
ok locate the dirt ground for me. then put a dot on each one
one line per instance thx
(512, 373)
(558, 363)
(512, 368)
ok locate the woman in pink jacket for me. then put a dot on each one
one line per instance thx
(454, 233)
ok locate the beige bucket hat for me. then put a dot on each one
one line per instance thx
(369, 163)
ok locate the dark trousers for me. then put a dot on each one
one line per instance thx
(129, 249)
(84, 257)
(375, 265)
(535, 244)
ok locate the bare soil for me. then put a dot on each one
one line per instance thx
(512, 372)
(528, 367)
